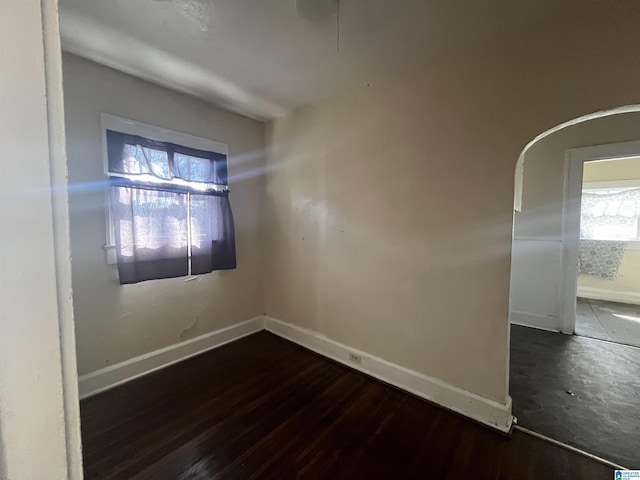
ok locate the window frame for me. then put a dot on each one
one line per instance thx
(615, 185)
(152, 132)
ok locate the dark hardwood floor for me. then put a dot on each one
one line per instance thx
(263, 407)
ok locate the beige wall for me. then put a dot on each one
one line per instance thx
(116, 323)
(612, 170)
(626, 285)
(390, 207)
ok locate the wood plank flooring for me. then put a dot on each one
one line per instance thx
(262, 407)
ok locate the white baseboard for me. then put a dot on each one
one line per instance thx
(609, 295)
(113, 375)
(478, 408)
(541, 322)
(488, 412)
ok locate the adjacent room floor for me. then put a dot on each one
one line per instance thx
(580, 391)
(614, 322)
(262, 407)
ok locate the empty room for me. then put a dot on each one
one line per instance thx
(317, 239)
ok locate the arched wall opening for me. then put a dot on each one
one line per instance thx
(539, 250)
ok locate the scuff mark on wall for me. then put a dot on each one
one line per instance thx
(190, 327)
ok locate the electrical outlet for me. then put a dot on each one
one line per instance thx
(355, 358)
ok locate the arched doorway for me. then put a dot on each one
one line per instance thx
(539, 250)
(565, 387)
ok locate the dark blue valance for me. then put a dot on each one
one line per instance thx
(136, 155)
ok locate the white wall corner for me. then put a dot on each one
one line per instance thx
(480, 409)
(114, 375)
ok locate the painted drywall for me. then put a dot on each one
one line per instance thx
(263, 58)
(612, 170)
(626, 285)
(116, 323)
(390, 206)
(537, 249)
(38, 396)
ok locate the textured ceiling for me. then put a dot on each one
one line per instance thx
(262, 58)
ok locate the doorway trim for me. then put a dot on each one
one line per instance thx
(575, 158)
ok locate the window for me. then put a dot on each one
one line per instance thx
(170, 214)
(610, 213)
